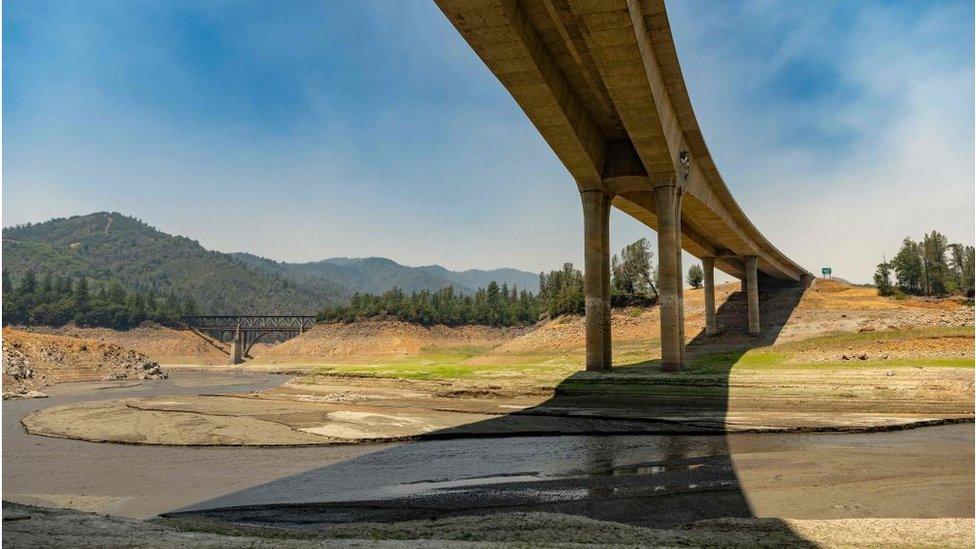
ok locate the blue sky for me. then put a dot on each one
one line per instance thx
(304, 130)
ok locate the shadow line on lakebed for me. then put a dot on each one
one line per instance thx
(664, 479)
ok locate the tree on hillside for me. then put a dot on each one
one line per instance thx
(882, 277)
(8, 286)
(935, 269)
(58, 301)
(695, 276)
(561, 292)
(962, 260)
(492, 306)
(28, 284)
(632, 273)
(80, 295)
(908, 267)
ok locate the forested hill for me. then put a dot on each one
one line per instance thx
(111, 246)
(376, 275)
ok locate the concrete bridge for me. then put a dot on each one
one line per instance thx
(600, 80)
(246, 330)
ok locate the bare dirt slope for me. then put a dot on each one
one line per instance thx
(385, 338)
(162, 344)
(828, 307)
(32, 361)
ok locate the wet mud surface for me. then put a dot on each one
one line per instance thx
(659, 481)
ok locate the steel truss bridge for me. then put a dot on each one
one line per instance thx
(244, 331)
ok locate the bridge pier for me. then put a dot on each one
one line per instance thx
(752, 293)
(596, 279)
(671, 300)
(236, 347)
(708, 270)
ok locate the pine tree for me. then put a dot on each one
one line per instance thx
(28, 284)
(81, 296)
(8, 286)
(908, 268)
(882, 277)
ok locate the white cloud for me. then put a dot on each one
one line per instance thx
(896, 154)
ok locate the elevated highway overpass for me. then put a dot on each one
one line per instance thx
(601, 82)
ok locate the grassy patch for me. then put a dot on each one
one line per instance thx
(470, 363)
(839, 340)
(786, 356)
(449, 367)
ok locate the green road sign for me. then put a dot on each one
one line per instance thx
(825, 271)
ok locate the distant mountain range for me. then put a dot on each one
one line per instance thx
(110, 246)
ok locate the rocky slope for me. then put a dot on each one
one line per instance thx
(33, 361)
(164, 345)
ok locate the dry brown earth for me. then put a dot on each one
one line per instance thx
(162, 344)
(827, 307)
(385, 338)
(33, 361)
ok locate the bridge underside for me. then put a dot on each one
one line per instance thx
(601, 82)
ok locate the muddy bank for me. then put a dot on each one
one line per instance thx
(882, 483)
(328, 410)
(36, 527)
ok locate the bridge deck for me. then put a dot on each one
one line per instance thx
(601, 82)
(600, 79)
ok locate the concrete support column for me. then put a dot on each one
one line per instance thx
(235, 348)
(752, 293)
(596, 278)
(668, 202)
(708, 270)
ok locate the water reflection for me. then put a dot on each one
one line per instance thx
(647, 480)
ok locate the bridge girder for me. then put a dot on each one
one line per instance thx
(601, 82)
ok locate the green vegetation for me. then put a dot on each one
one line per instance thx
(634, 279)
(454, 366)
(57, 300)
(931, 267)
(789, 355)
(882, 278)
(703, 375)
(695, 276)
(492, 306)
(103, 247)
(560, 293)
(111, 246)
(375, 275)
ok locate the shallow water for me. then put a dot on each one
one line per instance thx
(653, 480)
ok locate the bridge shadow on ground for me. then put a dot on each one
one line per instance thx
(721, 352)
(612, 448)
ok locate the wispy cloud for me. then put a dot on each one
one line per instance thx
(837, 172)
